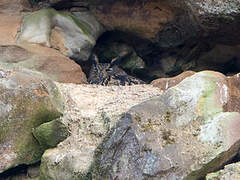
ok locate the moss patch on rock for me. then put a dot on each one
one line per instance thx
(51, 133)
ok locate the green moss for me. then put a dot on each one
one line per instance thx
(51, 133)
(208, 103)
(82, 25)
(27, 146)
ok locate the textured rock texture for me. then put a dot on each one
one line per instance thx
(230, 172)
(45, 60)
(183, 134)
(73, 36)
(166, 83)
(27, 100)
(91, 111)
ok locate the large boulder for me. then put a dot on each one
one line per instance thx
(91, 111)
(27, 100)
(74, 35)
(46, 60)
(183, 134)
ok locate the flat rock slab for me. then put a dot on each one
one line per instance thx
(46, 60)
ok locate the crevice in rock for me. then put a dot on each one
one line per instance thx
(19, 171)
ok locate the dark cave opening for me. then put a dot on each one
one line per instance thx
(148, 61)
(21, 171)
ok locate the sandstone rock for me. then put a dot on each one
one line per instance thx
(47, 61)
(9, 25)
(91, 111)
(165, 22)
(230, 172)
(27, 100)
(183, 134)
(166, 83)
(217, 18)
(13, 7)
(73, 35)
(233, 104)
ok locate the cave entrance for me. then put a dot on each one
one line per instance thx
(148, 61)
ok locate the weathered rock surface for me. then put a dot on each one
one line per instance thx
(165, 22)
(230, 172)
(217, 18)
(166, 83)
(183, 134)
(91, 111)
(74, 35)
(15, 7)
(27, 100)
(47, 61)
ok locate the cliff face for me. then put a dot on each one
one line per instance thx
(183, 125)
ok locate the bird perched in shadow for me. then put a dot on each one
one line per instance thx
(109, 73)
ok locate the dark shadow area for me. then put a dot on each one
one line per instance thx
(194, 54)
(20, 170)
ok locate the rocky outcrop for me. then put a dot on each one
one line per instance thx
(165, 22)
(74, 35)
(183, 134)
(91, 111)
(217, 18)
(27, 100)
(45, 60)
(231, 172)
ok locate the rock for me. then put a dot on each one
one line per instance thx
(166, 23)
(33, 171)
(231, 172)
(27, 100)
(223, 58)
(74, 35)
(91, 111)
(47, 61)
(9, 25)
(233, 104)
(15, 7)
(183, 134)
(217, 18)
(51, 133)
(166, 83)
